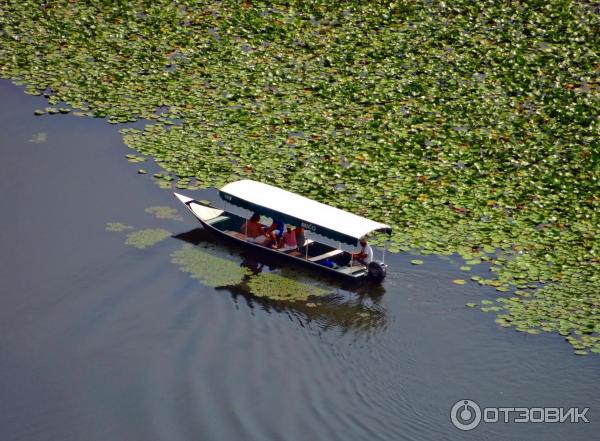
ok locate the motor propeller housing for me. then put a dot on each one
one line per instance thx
(376, 271)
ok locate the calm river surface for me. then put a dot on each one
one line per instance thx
(104, 341)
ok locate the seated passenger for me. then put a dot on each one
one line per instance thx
(300, 239)
(288, 239)
(365, 255)
(274, 233)
(254, 230)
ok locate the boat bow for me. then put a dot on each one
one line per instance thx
(201, 211)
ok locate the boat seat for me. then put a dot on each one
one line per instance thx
(325, 256)
(236, 234)
(298, 252)
(352, 269)
(217, 219)
(306, 243)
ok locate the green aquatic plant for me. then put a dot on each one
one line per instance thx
(277, 287)
(470, 127)
(134, 159)
(573, 313)
(210, 269)
(287, 290)
(217, 271)
(117, 226)
(147, 237)
(161, 212)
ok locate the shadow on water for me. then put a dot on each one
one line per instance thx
(346, 305)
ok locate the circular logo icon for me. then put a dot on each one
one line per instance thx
(465, 414)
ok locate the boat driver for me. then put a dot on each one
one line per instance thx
(365, 255)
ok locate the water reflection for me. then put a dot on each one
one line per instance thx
(325, 302)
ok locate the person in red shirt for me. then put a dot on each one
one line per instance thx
(274, 233)
(254, 230)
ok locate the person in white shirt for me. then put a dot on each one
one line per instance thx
(365, 255)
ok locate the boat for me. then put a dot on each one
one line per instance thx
(299, 211)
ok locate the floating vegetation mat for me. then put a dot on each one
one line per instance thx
(282, 292)
(147, 237)
(277, 287)
(470, 127)
(117, 226)
(217, 271)
(164, 213)
(211, 270)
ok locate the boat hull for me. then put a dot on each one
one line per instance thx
(209, 216)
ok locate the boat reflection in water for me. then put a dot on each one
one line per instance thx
(325, 302)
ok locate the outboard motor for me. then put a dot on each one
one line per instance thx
(376, 271)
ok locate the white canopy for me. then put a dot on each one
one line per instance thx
(299, 210)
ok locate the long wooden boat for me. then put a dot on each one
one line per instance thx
(312, 216)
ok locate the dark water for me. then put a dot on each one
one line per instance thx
(102, 341)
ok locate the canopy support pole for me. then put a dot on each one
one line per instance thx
(306, 242)
(383, 252)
